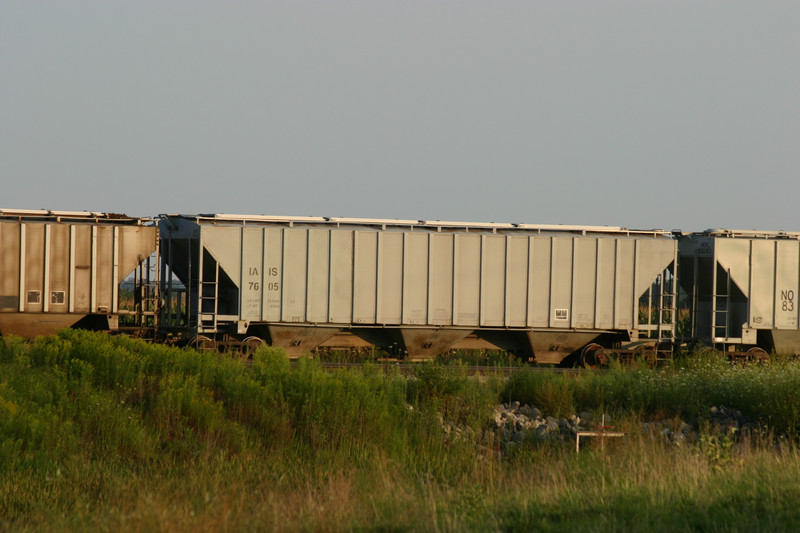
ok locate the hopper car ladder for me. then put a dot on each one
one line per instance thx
(146, 288)
(661, 312)
(721, 325)
(207, 298)
(720, 307)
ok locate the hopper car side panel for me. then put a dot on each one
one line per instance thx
(787, 284)
(390, 279)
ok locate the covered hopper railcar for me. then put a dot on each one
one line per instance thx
(64, 268)
(742, 288)
(544, 292)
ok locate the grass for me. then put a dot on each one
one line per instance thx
(110, 433)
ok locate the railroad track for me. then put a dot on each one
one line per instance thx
(474, 370)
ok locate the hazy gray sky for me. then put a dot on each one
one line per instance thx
(671, 114)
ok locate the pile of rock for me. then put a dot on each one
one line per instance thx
(722, 421)
(515, 423)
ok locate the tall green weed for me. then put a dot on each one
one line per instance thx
(110, 433)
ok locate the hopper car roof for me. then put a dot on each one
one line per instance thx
(429, 225)
(45, 215)
(743, 234)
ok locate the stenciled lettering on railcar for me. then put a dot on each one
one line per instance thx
(273, 285)
(253, 300)
(704, 248)
(253, 273)
(787, 300)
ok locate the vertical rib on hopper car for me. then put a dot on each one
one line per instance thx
(64, 268)
(545, 292)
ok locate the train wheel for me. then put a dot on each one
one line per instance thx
(759, 355)
(201, 342)
(250, 345)
(593, 356)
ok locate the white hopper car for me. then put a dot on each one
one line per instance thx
(419, 287)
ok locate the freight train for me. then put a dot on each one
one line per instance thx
(552, 294)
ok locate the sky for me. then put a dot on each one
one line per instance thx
(642, 114)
